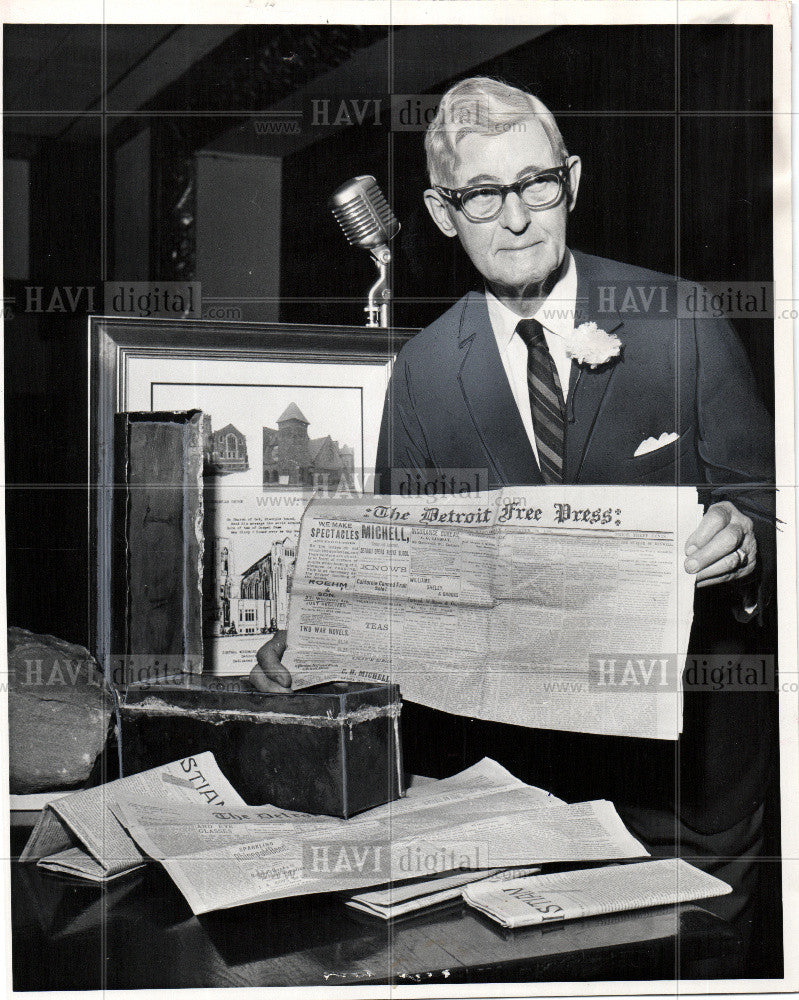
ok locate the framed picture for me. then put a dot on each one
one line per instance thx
(288, 411)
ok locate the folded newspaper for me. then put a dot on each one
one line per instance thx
(222, 853)
(482, 818)
(79, 835)
(404, 899)
(544, 899)
(551, 607)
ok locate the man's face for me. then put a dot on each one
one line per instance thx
(521, 248)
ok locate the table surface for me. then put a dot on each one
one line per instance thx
(138, 932)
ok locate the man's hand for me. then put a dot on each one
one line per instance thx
(269, 674)
(723, 547)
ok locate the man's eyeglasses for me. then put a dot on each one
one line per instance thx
(484, 202)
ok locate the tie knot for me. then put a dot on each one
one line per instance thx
(531, 332)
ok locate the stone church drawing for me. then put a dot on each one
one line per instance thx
(225, 449)
(292, 458)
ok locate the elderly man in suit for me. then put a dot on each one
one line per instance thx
(499, 387)
(492, 385)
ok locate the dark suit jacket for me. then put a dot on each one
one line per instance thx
(450, 406)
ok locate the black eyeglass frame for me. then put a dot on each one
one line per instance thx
(455, 196)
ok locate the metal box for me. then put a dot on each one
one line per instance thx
(333, 749)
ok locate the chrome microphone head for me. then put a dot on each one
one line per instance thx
(363, 213)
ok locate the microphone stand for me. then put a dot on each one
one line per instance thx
(377, 312)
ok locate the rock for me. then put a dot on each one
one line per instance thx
(59, 709)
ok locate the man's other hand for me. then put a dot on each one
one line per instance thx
(723, 547)
(269, 674)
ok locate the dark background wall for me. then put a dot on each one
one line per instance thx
(673, 126)
(46, 396)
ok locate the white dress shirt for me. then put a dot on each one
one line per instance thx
(556, 316)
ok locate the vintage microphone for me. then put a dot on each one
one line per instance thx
(367, 221)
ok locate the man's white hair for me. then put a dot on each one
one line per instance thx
(486, 106)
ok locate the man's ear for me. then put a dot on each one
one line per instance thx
(439, 212)
(575, 168)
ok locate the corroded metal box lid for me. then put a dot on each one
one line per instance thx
(333, 749)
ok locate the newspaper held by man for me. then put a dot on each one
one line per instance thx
(551, 607)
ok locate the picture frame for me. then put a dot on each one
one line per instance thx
(255, 373)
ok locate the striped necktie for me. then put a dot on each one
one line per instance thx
(546, 401)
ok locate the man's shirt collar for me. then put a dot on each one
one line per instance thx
(556, 312)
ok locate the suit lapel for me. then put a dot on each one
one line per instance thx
(490, 402)
(587, 387)
(489, 399)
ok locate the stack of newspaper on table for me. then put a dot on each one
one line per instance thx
(404, 899)
(222, 853)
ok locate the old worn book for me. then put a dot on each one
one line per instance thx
(158, 545)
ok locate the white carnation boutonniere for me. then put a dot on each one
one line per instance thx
(589, 345)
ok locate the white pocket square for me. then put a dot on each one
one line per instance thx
(652, 444)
